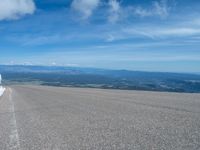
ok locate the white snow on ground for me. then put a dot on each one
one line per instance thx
(2, 89)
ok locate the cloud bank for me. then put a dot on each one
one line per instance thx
(14, 9)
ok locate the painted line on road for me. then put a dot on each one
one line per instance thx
(14, 136)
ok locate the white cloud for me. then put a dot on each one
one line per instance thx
(177, 32)
(85, 7)
(161, 8)
(41, 40)
(161, 32)
(114, 11)
(142, 12)
(53, 63)
(72, 65)
(14, 9)
(185, 34)
(110, 38)
(158, 8)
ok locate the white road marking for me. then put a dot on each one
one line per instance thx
(14, 136)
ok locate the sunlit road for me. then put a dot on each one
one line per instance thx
(51, 118)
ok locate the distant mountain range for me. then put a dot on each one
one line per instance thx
(100, 78)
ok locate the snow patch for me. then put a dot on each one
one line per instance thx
(2, 89)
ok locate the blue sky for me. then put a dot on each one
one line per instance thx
(150, 35)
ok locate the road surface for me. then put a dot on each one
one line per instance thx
(52, 118)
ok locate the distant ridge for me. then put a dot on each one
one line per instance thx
(38, 68)
(100, 78)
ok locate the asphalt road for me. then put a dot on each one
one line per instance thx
(51, 118)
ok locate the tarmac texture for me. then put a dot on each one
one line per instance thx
(54, 118)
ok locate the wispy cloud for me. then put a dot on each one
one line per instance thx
(110, 38)
(36, 40)
(180, 32)
(14, 9)
(42, 40)
(114, 11)
(163, 32)
(85, 7)
(158, 8)
(177, 32)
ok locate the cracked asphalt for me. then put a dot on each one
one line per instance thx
(55, 118)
